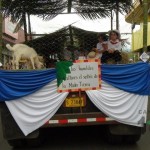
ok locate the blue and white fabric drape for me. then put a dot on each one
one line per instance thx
(32, 111)
(32, 97)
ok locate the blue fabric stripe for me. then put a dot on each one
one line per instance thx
(133, 78)
(16, 84)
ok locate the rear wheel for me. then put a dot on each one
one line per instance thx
(117, 139)
(35, 142)
(113, 139)
(17, 143)
(27, 142)
(132, 139)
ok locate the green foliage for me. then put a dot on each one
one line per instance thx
(86, 39)
(16, 8)
(48, 9)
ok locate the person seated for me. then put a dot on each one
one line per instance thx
(113, 48)
(102, 44)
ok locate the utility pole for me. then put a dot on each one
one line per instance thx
(24, 22)
(71, 42)
(117, 15)
(1, 22)
(29, 27)
(25, 26)
(69, 6)
(111, 19)
(145, 24)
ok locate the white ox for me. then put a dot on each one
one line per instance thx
(22, 51)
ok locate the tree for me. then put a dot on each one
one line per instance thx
(48, 9)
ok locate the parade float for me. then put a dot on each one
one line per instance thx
(76, 93)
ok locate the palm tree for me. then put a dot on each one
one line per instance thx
(17, 10)
(48, 9)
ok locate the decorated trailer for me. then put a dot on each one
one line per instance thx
(81, 92)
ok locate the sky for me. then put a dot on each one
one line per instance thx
(100, 25)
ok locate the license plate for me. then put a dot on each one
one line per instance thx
(75, 101)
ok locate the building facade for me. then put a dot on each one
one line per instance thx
(135, 16)
(9, 37)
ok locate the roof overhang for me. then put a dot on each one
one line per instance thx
(48, 9)
(136, 14)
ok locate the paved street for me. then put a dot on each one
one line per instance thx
(80, 138)
(85, 140)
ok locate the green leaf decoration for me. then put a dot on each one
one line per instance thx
(62, 68)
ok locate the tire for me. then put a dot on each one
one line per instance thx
(117, 139)
(21, 143)
(36, 142)
(17, 143)
(28, 142)
(113, 139)
(132, 139)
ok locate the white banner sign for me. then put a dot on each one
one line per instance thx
(84, 75)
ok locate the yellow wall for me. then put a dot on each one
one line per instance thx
(137, 38)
